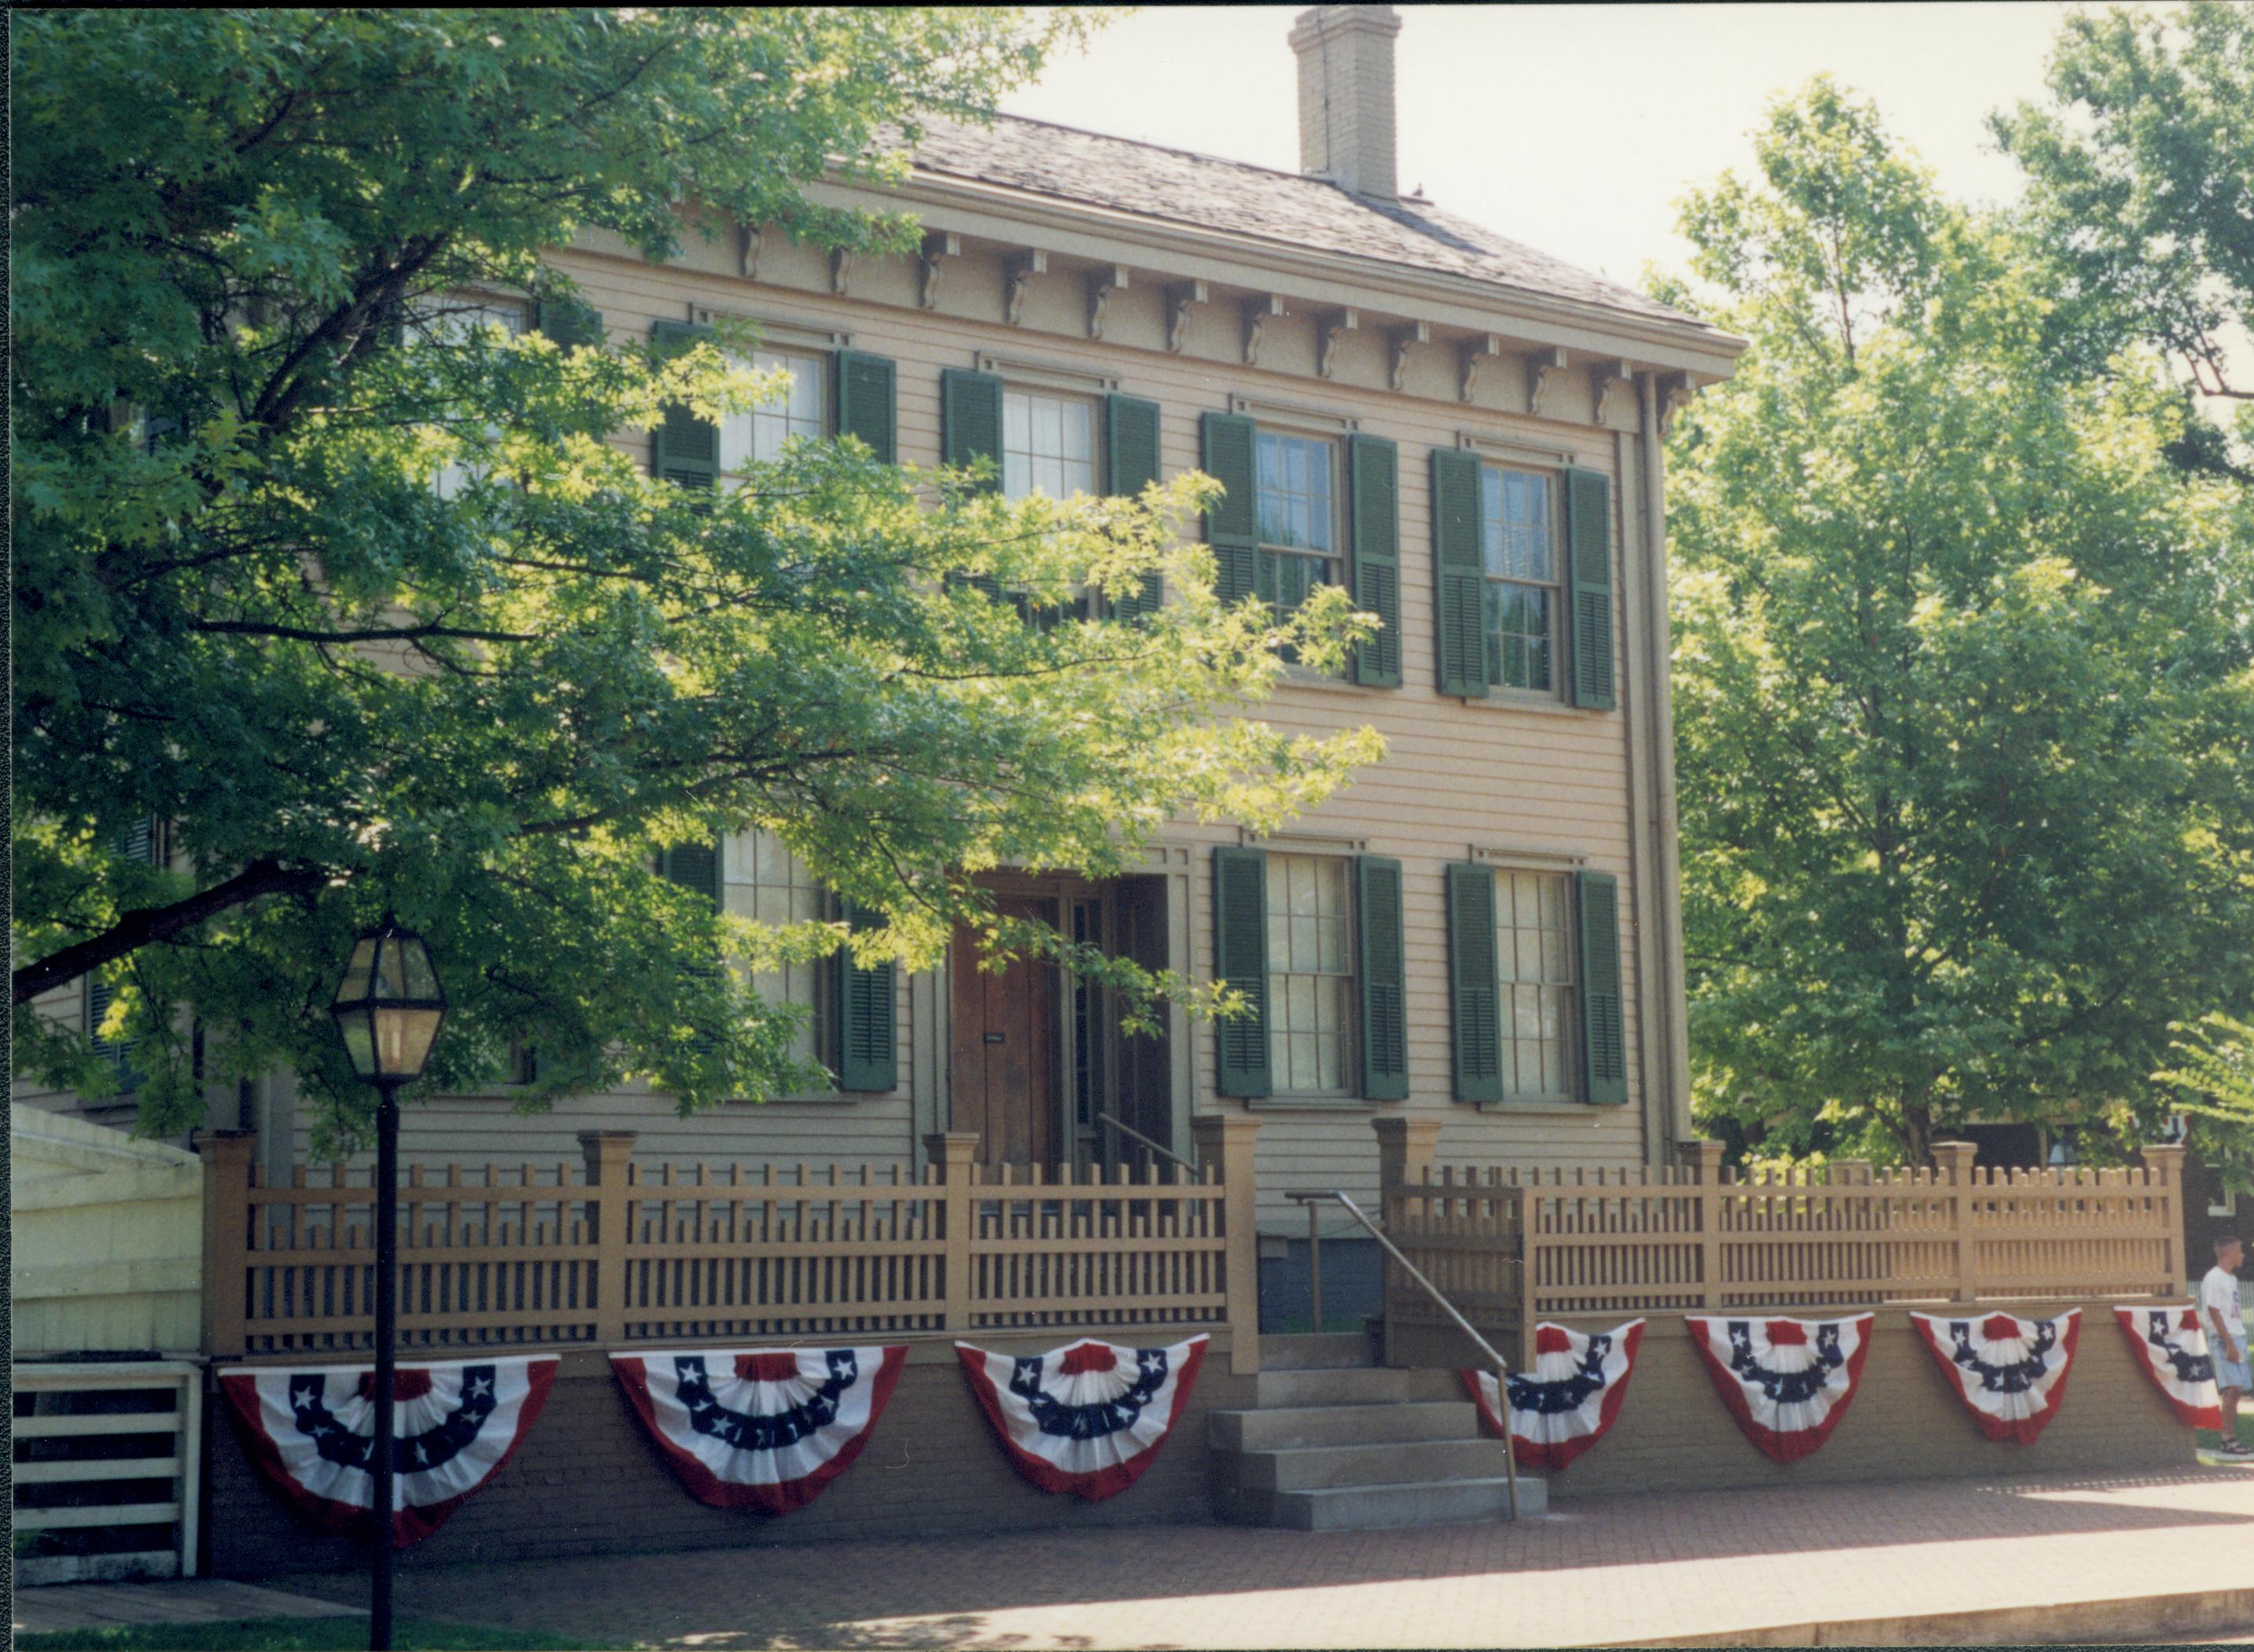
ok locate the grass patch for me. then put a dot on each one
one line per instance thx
(2208, 1438)
(297, 1635)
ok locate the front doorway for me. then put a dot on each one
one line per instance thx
(1039, 1066)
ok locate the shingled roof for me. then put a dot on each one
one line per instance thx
(1289, 208)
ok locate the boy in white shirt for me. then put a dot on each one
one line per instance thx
(2226, 1339)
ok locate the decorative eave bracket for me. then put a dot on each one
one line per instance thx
(1401, 340)
(1674, 393)
(841, 271)
(1469, 355)
(1333, 327)
(749, 240)
(1019, 272)
(1619, 379)
(938, 246)
(1101, 285)
(1257, 314)
(1539, 368)
(1179, 298)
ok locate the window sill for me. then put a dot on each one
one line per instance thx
(1310, 1104)
(1537, 1104)
(1298, 676)
(1519, 700)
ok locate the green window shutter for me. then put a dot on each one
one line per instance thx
(693, 866)
(1458, 576)
(1604, 1039)
(137, 840)
(970, 418)
(99, 995)
(1239, 907)
(1589, 563)
(1473, 991)
(867, 1003)
(1130, 437)
(1232, 526)
(683, 449)
(568, 322)
(1372, 472)
(868, 402)
(1383, 977)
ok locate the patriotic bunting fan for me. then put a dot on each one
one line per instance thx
(2010, 1373)
(1787, 1381)
(1568, 1402)
(1088, 1418)
(767, 1429)
(2172, 1347)
(313, 1433)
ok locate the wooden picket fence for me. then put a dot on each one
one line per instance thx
(609, 1253)
(1512, 1246)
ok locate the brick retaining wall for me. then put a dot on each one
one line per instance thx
(586, 1480)
(1905, 1423)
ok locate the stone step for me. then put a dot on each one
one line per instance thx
(1448, 1503)
(1332, 1350)
(1289, 1427)
(1353, 1385)
(1391, 1463)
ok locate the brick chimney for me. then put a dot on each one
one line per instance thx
(1346, 96)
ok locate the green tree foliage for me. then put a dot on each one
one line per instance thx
(2141, 197)
(2212, 1078)
(1963, 698)
(245, 607)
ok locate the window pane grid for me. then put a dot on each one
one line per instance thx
(1534, 962)
(1048, 444)
(769, 885)
(801, 409)
(1310, 975)
(1519, 548)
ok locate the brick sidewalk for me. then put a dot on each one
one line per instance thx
(1609, 1569)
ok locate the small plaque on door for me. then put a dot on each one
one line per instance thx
(996, 1037)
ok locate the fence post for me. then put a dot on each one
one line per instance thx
(2164, 1166)
(955, 1153)
(1405, 1148)
(1228, 1144)
(1954, 1159)
(228, 1156)
(610, 1207)
(1704, 1160)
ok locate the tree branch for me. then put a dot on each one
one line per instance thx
(146, 924)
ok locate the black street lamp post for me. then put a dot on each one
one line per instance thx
(387, 1010)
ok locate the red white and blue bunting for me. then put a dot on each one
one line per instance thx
(2171, 1345)
(1787, 1381)
(1088, 1418)
(2011, 1372)
(761, 1428)
(1568, 1402)
(313, 1433)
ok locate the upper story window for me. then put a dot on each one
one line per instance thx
(1048, 444)
(802, 410)
(1523, 568)
(765, 882)
(1297, 503)
(1534, 962)
(454, 321)
(1311, 981)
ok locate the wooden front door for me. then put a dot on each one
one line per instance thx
(1004, 1071)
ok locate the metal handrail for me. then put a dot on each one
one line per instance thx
(1159, 1148)
(1502, 1366)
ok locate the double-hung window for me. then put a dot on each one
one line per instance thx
(800, 409)
(1535, 967)
(453, 322)
(769, 885)
(1522, 597)
(1048, 444)
(1296, 501)
(1310, 978)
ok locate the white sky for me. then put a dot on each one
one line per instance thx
(1573, 128)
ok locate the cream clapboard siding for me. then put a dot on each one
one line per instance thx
(108, 1239)
(1491, 776)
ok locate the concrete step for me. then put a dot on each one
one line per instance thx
(1289, 1427)
(1354, 1385)
(1332, 1350)
(1447, 1502)
(1393, 1462)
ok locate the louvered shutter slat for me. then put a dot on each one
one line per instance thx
(868, 402)
(1589, 562)
(1604, 1036)
(1374, 469)
(1232, 526)
(1473, 992)
(568, 322)
(1383, 977)
(1131, 426)
(1459, 577)
(867, 1005)
(1240, 905)
(683, 449)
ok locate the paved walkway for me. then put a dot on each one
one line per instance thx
(96, 1606)
(1605, 1570)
